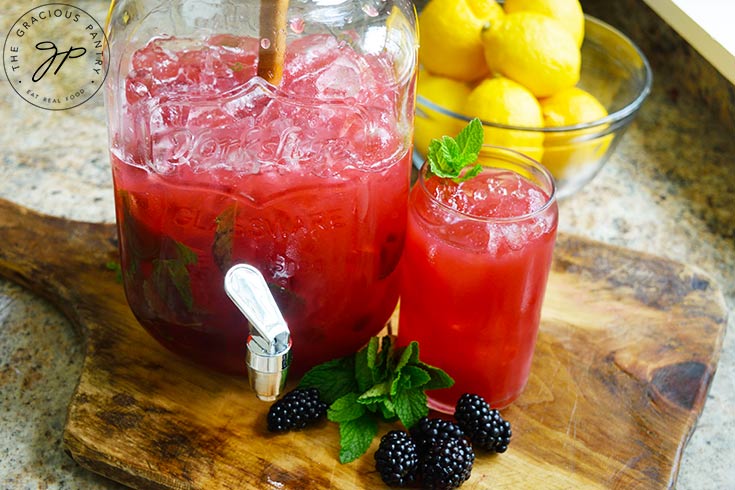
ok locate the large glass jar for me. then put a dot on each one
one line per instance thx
(305, 177)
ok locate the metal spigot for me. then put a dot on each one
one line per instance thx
(269, 343)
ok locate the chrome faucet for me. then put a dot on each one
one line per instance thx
(269, 342)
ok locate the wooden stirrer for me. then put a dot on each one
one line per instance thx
(273, 30)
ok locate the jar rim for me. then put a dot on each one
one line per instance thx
(509, 155)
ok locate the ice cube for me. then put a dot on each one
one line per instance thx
(248, 99)
(515, 235)
(339, 80)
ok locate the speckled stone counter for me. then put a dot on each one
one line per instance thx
(668, 190)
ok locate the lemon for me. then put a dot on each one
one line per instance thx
(534, 50)
(568, 12)
(429, 123)
(503, 101)
(449, 37)
(571, 106)
(572, 154)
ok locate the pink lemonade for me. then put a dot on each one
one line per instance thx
(308, 182)
(474, 272)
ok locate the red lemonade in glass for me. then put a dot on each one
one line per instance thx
(474, 271)
(307, 181)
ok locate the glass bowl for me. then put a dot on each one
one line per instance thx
(614, 70)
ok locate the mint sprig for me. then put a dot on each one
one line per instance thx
(379, 382)
(449, 157)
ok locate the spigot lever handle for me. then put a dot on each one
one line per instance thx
(269, 342)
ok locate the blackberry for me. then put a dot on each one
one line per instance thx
(297, 409)
(485, 427)
(427, 432)
(447, 465)
(397, 459)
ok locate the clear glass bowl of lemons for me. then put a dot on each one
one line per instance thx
(545, 79)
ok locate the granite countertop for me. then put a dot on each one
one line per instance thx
(668, 190)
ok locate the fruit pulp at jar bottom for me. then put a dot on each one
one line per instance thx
(474, 313)
(328, 250)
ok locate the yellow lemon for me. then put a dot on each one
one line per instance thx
(571, 155)
(431, 123)
(449, 37)
(503, 101)
(568, 12)
(534, 50)
(571, 106)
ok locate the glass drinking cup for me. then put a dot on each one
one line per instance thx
(474, 272)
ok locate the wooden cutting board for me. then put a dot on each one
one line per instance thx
(627, 349)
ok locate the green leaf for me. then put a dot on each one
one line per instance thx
(439, 379)
(169, 283)
(224, 234)
(469, 140)
(179, 276)
(372, 352)
(375, 394)
(383, 362)
(345, 409)
(393, 380)
(365, 365)
(413, 377)
(474, 171)
(356, 437)
(185, 255)
(409, 355)
(438, 161)
(388, 410)
(334, 379)
(449, 156)
(451, 152)
(410, 406)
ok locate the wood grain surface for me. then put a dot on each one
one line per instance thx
(626, 352)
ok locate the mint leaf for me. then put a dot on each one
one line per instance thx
(409, 355)
(413, 377)
(345, 409)
(373, 384)
(224, 235)
(365, 364)
(334, 379)
(356, 437)
(469, 140)
(169, 284)
(439, 379)
(372, 353)
(376, 394)
(382, 366)
(388, 410)
(438, 160)
(179, 276)
(470, 173)
(410, 406)
(449, 156)
(451, 151)
(185, 255)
